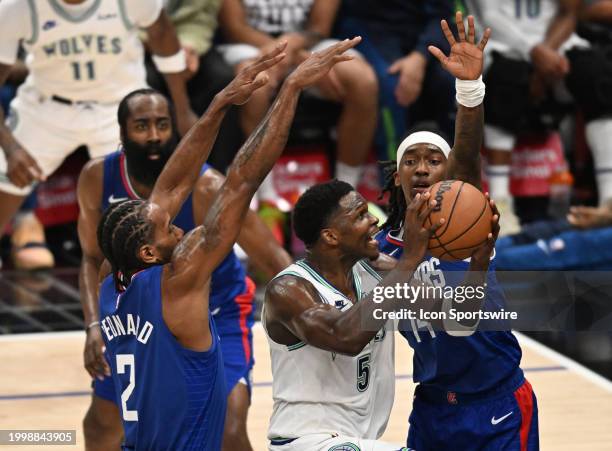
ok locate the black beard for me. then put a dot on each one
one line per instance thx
(139, 165)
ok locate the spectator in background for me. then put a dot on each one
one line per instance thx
(413, 87)
(83, 56)
(195, 22)
(536, 57)
(254, 26)
(584, 240)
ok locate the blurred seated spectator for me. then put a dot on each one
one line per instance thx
(413, 85)
(253, 26)
(582, 241)
(195, 22)
(538, 67)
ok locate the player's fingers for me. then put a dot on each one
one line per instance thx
(22, 176)
(448, 34)
(107, 370)
(34, 170)
(427, 209)
(341, 58)
(460, 26)
(485, 38)
(260, 80)
(434, 227)
(343, 46)
(495, 227)
(435, 51)
(471, 30)
(260, 66)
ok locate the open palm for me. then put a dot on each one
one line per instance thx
(466, 58)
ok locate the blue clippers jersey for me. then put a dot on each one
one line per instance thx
(469, 364)
(228, 279)
(170, 398)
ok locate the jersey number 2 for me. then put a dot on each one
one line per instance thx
(124, 360)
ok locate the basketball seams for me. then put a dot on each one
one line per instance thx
(469, 227)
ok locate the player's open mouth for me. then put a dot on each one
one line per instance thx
(372, 235)
(154, 156)
(420, 188)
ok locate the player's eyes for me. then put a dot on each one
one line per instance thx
(435, 162)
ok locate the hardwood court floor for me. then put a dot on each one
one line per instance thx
(43, 386)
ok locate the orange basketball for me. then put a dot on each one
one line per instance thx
(467, 217)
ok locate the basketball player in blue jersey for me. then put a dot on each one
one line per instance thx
(161, 341)
(471, 392)
(148, 139)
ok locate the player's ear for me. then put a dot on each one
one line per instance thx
(148, 254)
(329, 236)
(396, 179)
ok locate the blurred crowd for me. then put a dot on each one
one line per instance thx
(548, 109)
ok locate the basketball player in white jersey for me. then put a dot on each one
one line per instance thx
(83, 57)
(332, 361)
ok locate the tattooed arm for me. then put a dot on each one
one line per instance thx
(464, 160)
(201, 251)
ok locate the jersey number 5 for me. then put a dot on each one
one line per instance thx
(363, 372)
(124, 360)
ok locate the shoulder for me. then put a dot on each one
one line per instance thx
(144, 13)
(288, 286)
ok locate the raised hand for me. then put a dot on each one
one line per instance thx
(318, 64)
(253, 76)
(466, 58)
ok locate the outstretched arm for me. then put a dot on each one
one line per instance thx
(183, 169)
(465, 63)
(200, 252)
(255, 236)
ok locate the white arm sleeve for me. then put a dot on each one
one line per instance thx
(15, 18)
(143, 13)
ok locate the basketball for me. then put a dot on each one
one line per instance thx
(467, 216)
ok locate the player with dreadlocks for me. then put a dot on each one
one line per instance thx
(160, 339)
(465, 377)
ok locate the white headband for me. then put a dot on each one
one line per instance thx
(422, 138)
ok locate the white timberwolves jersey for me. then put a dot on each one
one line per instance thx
(96, 56)
(518, 25)
(317, 391)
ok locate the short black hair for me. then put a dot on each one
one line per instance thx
(123, 111)
(122, 230)
(315, 207)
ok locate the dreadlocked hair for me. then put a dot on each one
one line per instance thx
(397, 201)
(122, 230)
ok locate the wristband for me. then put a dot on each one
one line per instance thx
(470, 93)
(92, 324)
(171, 64)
